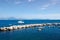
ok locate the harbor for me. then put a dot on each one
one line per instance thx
(15, 27)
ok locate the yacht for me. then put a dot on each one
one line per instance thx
(20, 22)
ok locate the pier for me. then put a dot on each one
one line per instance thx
(15, 27)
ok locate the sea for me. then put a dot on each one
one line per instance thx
(47, 33)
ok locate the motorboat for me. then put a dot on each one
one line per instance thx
(20, 22)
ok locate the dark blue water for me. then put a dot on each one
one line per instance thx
(15, 22)
(30, 33)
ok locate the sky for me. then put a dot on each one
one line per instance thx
(30, 9)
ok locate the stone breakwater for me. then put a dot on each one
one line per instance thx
(15, 27)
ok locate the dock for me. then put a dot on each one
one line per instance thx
(15, 27)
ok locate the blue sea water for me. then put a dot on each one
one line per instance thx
(30, 33)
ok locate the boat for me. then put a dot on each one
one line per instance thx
(20, 22)
(40, 28)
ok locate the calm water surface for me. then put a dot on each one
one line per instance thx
(52, 33)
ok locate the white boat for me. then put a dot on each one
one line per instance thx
(40, 28)
(20, 22)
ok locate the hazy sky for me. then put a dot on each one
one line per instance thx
(30, 9)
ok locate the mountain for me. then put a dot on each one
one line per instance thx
(10, 18)
(13, 18)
